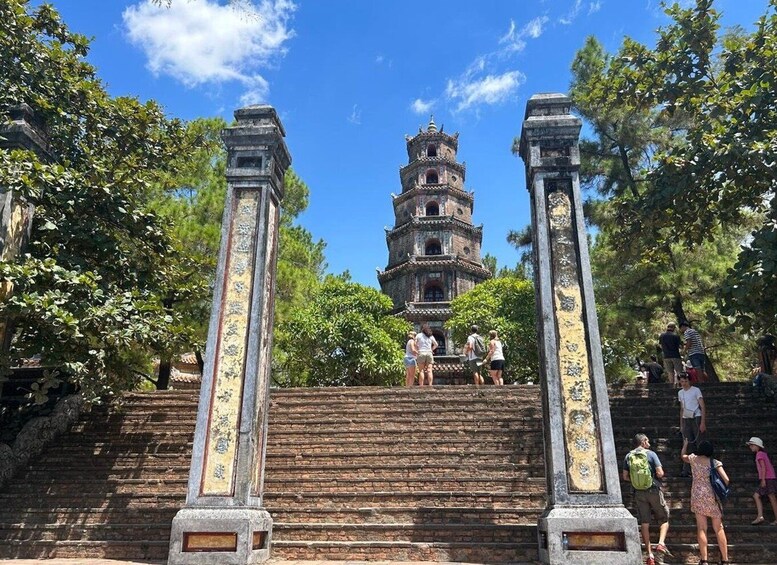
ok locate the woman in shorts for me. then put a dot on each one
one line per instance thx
(411, 352)
(426, 345)
(496, 357)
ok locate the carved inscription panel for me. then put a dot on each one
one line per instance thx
(584, 465)
(229, 368)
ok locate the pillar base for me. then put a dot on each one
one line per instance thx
(582, 535)
(220, 536)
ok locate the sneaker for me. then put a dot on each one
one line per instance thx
(650, 561)
(661, 548)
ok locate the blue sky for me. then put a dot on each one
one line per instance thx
(350, 78)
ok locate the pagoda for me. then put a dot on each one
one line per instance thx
(434, 249)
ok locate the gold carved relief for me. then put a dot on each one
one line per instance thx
(584, 465)
(229, 368)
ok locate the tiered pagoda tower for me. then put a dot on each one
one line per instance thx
(434, 249)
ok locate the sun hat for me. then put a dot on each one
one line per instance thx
(756, 441)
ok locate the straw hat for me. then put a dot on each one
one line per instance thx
(756, 441)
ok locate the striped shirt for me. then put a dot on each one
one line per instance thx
(693, 341)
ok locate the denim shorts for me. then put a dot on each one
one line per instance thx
(410, 361)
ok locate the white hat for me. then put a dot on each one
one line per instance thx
(756, 441)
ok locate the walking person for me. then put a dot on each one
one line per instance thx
(495, 358)
(693, 416)
(704, 503)
(643, 469)
(670, 344)
(426, 344)
(694, 348)
(767, 480)
(411, 364)
(474, 350)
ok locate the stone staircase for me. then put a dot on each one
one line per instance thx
(442, 474)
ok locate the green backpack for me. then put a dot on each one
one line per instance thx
(639, 470)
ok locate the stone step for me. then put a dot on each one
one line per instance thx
(475, 533)
(526, 483)
(114, 532)
(293, 499)
(77, 549)
(463, 552)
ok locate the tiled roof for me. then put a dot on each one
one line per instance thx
(424, 262)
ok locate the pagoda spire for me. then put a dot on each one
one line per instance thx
(432, 126)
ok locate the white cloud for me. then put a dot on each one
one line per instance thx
(594, 7)
(203, 42)
(534, 28)
(492, 89)
(572, 14)
(356, 115)
(514, 39)
(422, 106)
(379, 59)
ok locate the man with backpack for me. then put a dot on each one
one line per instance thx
(474, 351)
(643, 470)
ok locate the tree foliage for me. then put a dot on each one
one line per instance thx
(673, 219)
(87, 292)
(504, 304)
(342, 336)
(714, 168)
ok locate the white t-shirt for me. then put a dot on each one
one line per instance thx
(471, 348)
(425, 343)
(689, 399)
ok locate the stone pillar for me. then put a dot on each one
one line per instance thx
(224, 522)
(585, 521)
(23, 131)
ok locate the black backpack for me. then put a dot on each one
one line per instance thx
(479, 346)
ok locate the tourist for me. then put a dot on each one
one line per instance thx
(693, 416)
(643, 469)
(767, 480)
(655, 372)
(694, 348)
(495, 358)
(670, 350)
(425, 344)
(474, 350)
(411, 353)
(704, 503)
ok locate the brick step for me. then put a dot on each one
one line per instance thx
(54, 488)
(293, 499)
(95, 500)
(125, 550)
(411, 435)
(430, 469)
(515, 553)
(758, 553)
(277, 460)
(85, 532)
(413, 485)
(77, 516)
(405, 514)
(476, 533)
(460, 443)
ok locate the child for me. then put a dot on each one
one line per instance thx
(767, 485)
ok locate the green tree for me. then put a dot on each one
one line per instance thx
(88, 292)
(507, 305)
(343, 336)
(719, 169)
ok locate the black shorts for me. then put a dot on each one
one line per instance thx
(497, 365)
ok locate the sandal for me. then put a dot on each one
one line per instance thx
(759, 520)
(773, 523)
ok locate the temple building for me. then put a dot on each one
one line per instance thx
(434, 249)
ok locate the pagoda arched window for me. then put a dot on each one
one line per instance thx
(432, 177)
(433, 247)
(431, 151)
(432, 209)
(433, 293)
(440, 337)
